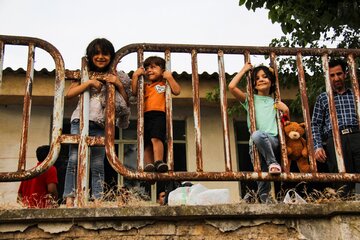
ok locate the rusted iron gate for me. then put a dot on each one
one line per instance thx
(228, 174)
(57, 120)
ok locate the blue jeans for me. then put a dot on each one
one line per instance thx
(97, 155)
(267, 146)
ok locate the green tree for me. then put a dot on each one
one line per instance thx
(308, 22)
(315, 24)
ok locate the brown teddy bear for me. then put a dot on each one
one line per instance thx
(296, 145)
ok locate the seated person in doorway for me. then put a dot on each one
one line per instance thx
(41, 191)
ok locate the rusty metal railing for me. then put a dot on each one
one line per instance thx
(228, 174)
(57, 120)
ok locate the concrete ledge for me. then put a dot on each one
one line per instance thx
(229, 211)
(338, 220)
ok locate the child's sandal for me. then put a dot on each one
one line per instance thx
(161, 167)
(149, 167)
(274, 169)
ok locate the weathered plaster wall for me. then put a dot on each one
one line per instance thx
(237, 221)
(39, 130)
(10, 134)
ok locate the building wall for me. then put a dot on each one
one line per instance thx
(10, 132)
(11, 98)
(39, 131)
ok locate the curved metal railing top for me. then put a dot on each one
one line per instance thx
(57, 121)
(228, 174)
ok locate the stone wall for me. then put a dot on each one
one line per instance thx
(236, 221)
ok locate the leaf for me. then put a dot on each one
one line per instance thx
(241, 2)
(315, 24)
(248, 5)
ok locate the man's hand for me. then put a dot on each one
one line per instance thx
(320, 155)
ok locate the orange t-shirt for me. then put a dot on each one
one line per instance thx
(154, 98)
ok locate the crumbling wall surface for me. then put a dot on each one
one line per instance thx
(234, 221)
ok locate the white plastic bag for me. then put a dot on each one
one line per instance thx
(293, 198)
(197, 194)
(213, 196)
(185, 195)
(195, 190)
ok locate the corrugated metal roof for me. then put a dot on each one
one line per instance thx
(180, 76)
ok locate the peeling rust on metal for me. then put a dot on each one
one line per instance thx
(1, 60)
(26, 107)
(355, 83)
(333, 115)
(169, 118)
(306, 112)
(251, 110)
(140, 113)
(57, 120)
(84, 141)
(82, 178)
(285, 161)
(72, 75)
(223, 107)
(235, 176)
(196, 111)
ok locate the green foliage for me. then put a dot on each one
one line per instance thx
(307, 20)
(234, 108)
(311, 24)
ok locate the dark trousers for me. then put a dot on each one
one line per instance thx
(351, 154)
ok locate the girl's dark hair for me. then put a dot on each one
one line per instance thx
(268, 73)
(103, 45)
(158, 61)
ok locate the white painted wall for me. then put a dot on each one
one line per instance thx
(10, 133)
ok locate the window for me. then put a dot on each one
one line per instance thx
(126, 145)
(126, 148)
(179, 146)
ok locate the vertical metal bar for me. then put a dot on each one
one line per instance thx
(306, 112)
(58, 107)
(285, 163)
(223, 107)
(110, 123)
(354, 83)
(111, 154)
(169, 118)
(140, 104)
(196, 104)
(82, 188)
(333, 115)
(251, 110)
(1, 60)
(26, 107)
(121, 149)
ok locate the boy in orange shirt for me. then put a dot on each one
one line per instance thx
(154, 110)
